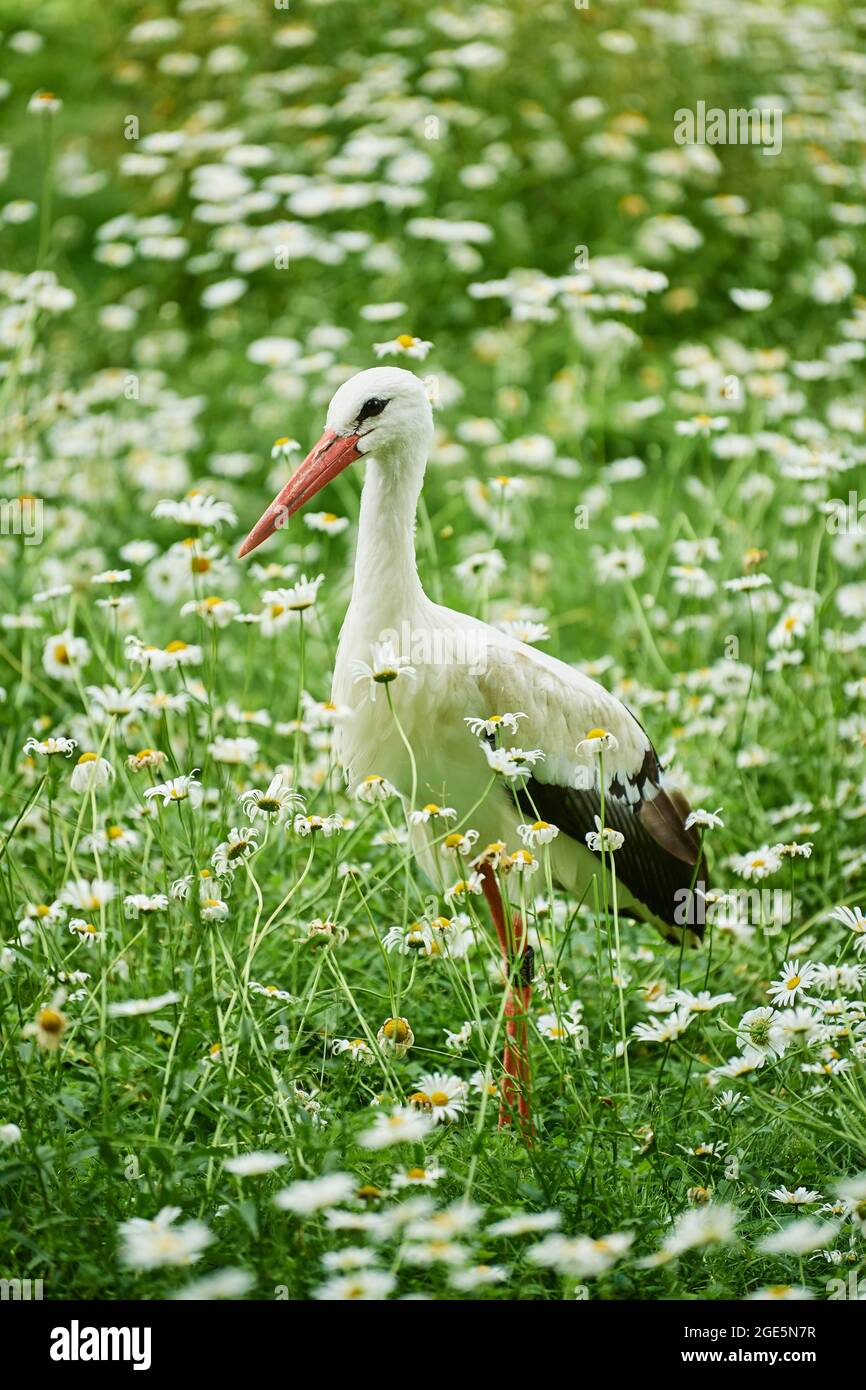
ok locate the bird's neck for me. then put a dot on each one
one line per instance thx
(386, 576)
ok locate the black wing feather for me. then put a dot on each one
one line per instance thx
(657, 859)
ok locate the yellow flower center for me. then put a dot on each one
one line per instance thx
(88, 758)
(61, 654)
(50, 1021)
(397, 1029)
(405, 340)
(597, 733)
(416, 1174)
(176, 646)
(439, 1098)
(115, 832)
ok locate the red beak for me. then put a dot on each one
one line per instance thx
(331, 455)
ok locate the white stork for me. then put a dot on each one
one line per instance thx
(474, 670)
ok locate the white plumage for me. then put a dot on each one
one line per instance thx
(466, 668)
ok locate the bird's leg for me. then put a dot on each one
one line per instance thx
(515, 1057)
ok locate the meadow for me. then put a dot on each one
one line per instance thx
(248, 1051)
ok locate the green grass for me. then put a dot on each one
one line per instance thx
(104, 416)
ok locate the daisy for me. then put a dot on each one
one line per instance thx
(214, 609)
(284, 447)
(417, 1177)
(272, 803)
(455, 1042)
(792, 981)
(91, 773)
(758, 1029)
(512, 763)
(558, 1028)
(403, 345)
(358, 1049)
(310, 825)
(604, 838)
(850, 917)
(44, 103)
(185, 787)
(375, 788)
(253, 1165)
(799, 1197)
(64, 655)
(580, 1257)
(597, 741)
(525, 1223)
(663, 1029)
(493, 723)
(784, 1293)
(401, 1126)
(322, 933)
(432, 812)
(152, 1244)
(272, 992)
(386, 667)
(416, 939)
(747, 583)
(306, 1197)
(705, 820)
(464, 887)
(197, 509)
(797, 1025)
(89, 895)
(51, 747)
(298, 597)
(459, 843)
(49, 1025)
(701, 1003)
(142, 904)
(523, 861)
(441, 1096)
(122, 703)
(144, 758)
(540, 832)
(703, 425)
(233, 751)
(223, 1283)
(395, 1036)
(213, 909)
(760, 863)
(365, 1286)
(239, 845)
(86, 932)
(477, 1277)
(326, 522)
(709, 1224)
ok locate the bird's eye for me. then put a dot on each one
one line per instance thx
(374, 406)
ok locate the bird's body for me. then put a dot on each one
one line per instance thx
(595, 768)
(465, 668)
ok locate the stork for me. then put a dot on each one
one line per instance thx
(469, 670)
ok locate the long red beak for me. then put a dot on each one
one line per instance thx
(331, 455)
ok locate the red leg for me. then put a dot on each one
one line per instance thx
(515, 1057)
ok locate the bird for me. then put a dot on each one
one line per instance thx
(550, 748)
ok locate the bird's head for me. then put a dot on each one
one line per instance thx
(384, 411)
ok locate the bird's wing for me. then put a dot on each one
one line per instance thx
(659, 857)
